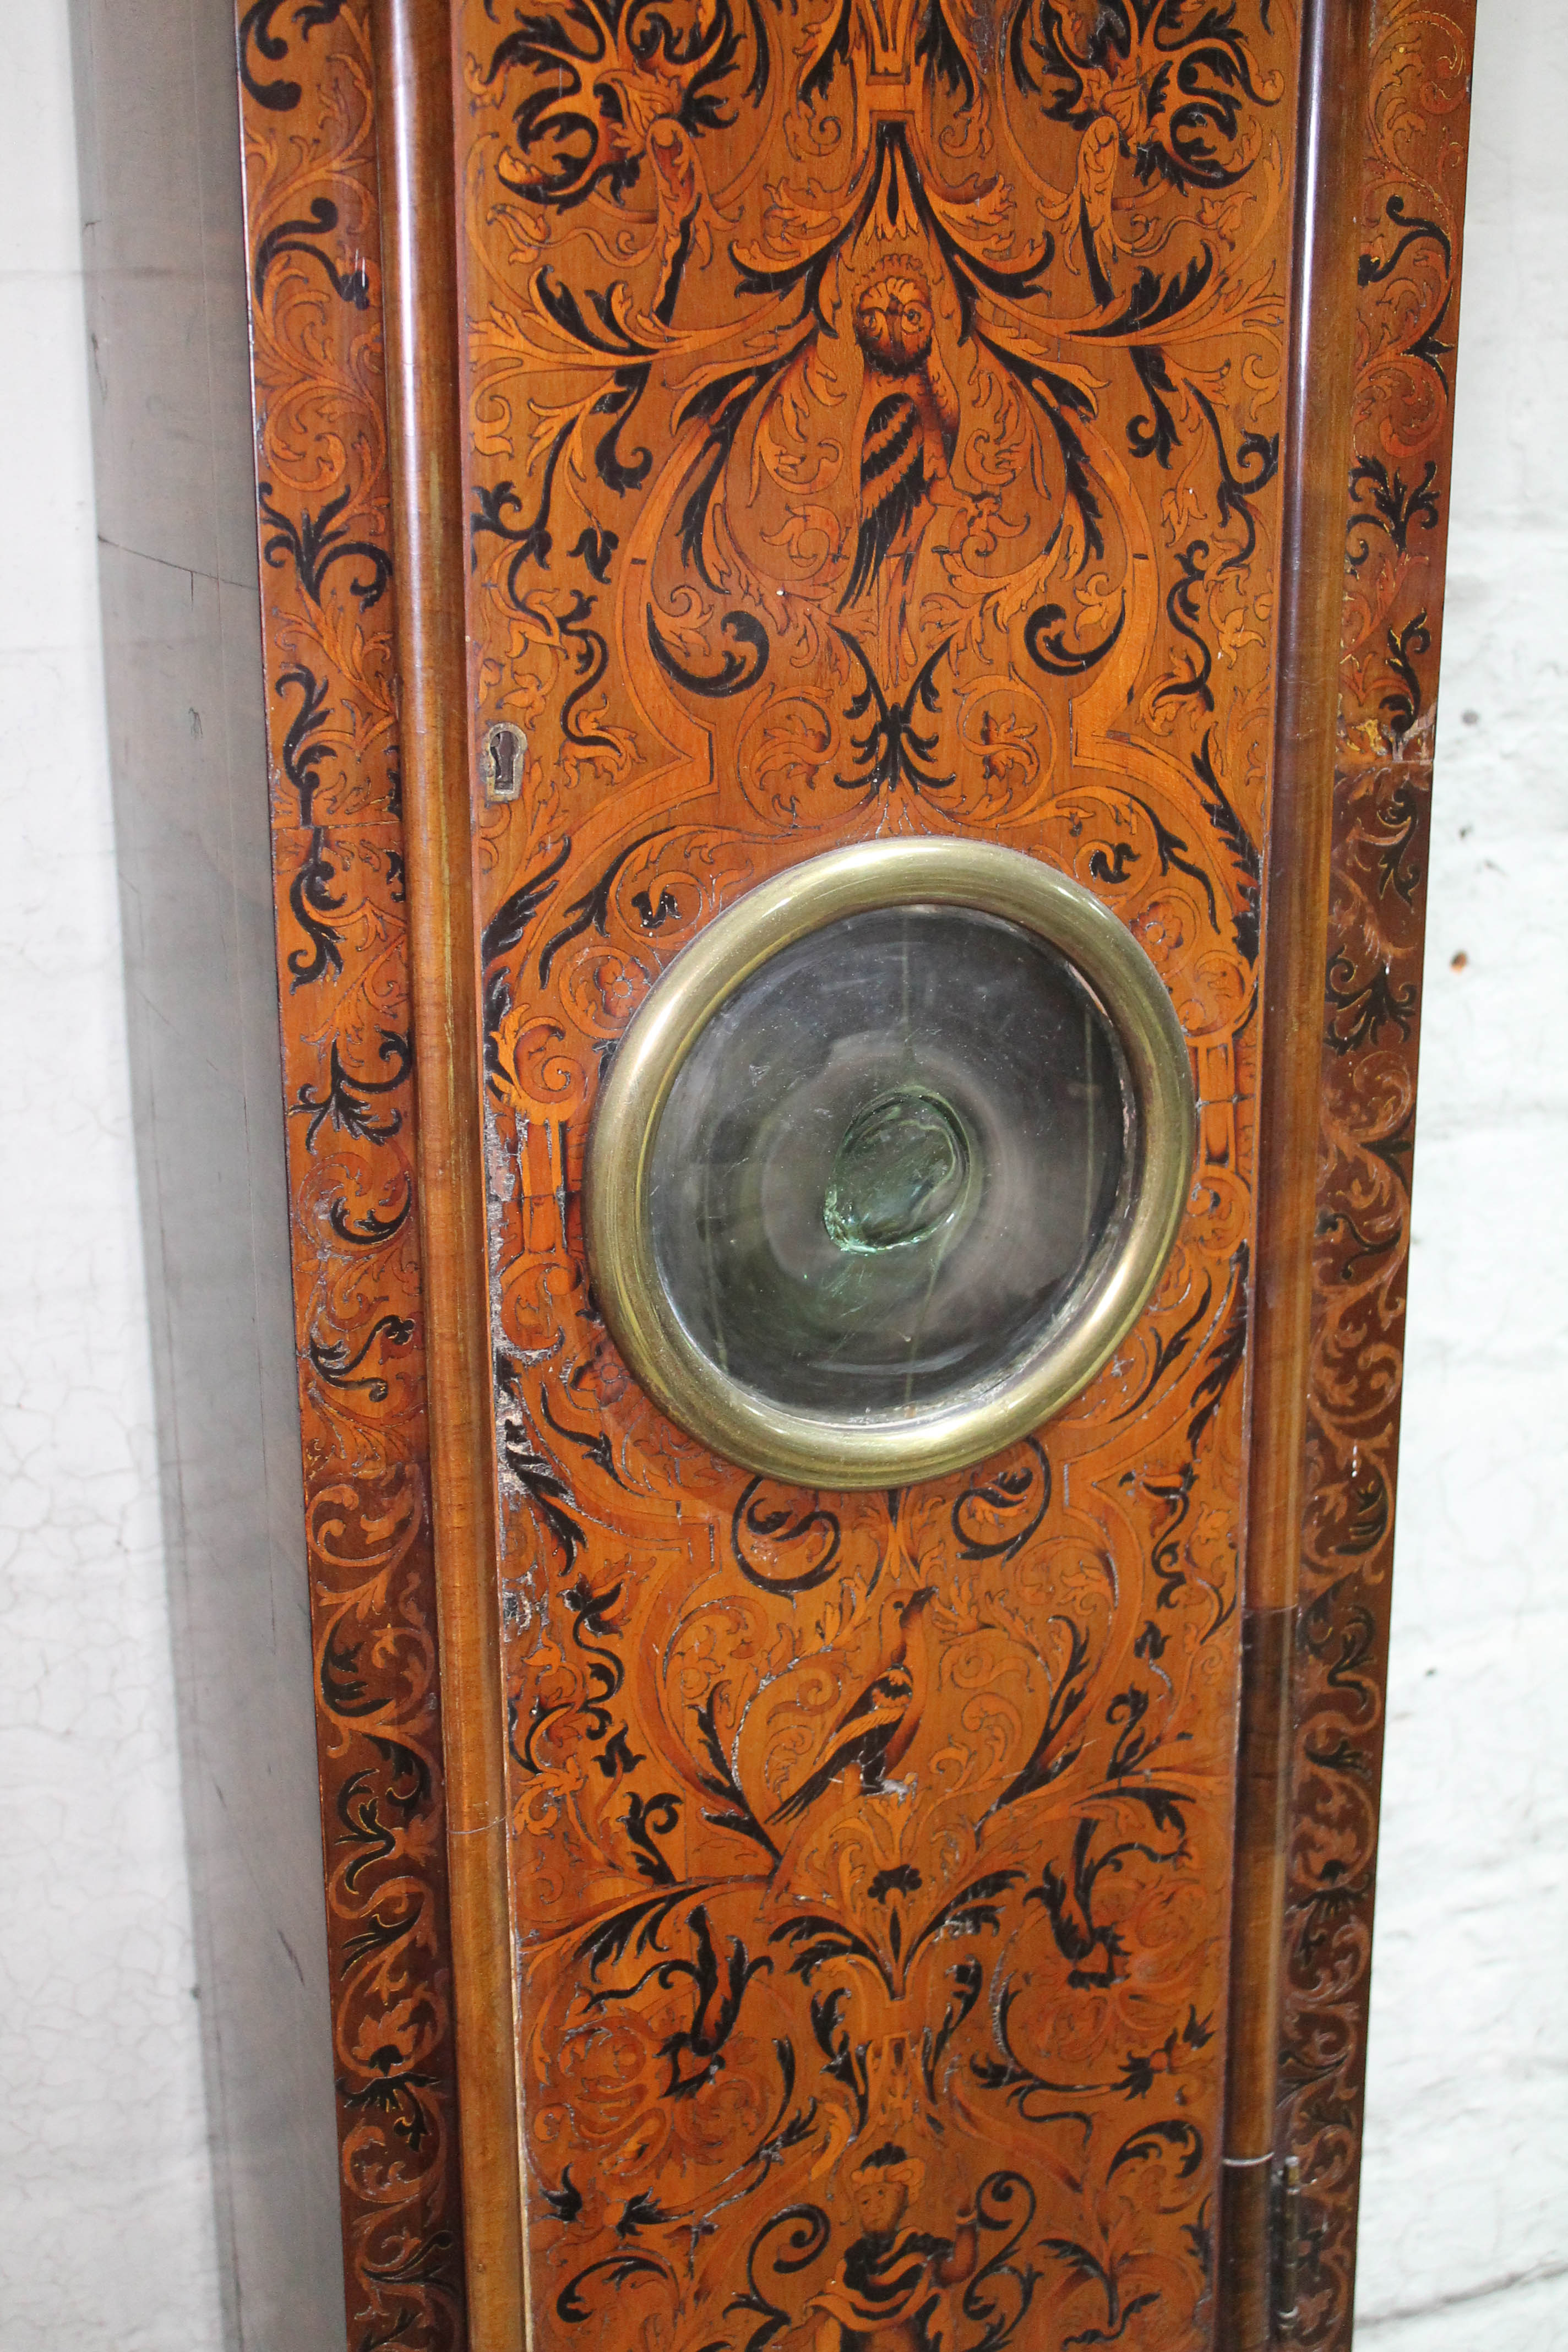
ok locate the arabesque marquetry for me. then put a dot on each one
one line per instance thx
(872, 421)
(327, 598)
(1396, 532)
(873, 426)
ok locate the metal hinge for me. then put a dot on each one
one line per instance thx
(1287, 2237)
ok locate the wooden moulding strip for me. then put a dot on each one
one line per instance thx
(1336, 43)
(415, 141)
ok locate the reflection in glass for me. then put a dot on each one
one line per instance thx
(891, 1160)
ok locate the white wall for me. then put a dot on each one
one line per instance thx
(1464, 2218)
(106, 2202)
(106, 2238)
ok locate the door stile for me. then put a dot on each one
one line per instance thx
(1317, 447)
(415, 127)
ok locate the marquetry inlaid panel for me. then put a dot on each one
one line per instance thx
(308, 110)
(873, 426)
(1396, 541)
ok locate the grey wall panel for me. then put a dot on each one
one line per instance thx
(167, 315)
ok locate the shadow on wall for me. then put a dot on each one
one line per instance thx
(1464, 2226)
(166, 277)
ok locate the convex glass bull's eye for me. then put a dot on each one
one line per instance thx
(888, 1159)
(902, 1169)
(889, 1163)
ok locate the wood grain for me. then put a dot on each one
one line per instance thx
(1316, 454)
(872, 425)
(419, 244)
(338, 846)
(752, 577)
(1417, 123)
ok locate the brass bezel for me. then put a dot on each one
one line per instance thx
(893, 1450)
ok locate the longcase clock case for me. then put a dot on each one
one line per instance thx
(693, 439)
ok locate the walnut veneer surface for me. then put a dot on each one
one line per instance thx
(872, 422)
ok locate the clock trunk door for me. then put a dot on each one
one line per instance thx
(871, 421)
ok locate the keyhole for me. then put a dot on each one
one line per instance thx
(504, 747)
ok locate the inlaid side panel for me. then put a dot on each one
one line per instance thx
(874, 426)
(1395, 540)
(327, 599)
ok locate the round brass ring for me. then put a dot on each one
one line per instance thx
(902, 1448)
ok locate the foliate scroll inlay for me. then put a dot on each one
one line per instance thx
(348, 1056)
(1395, 538)
(873, 422)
